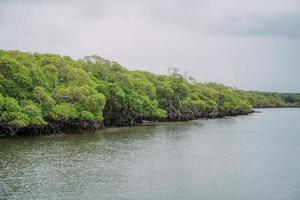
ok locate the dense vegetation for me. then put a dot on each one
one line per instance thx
(42, 93)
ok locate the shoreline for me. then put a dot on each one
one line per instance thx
(59, 128)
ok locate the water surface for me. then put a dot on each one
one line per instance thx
(247, 157)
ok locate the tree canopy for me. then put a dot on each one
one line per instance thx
(38, 89)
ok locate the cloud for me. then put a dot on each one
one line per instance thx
(287, 25)
(268, 18)
(214, 40)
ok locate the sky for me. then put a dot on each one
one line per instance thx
(248, 44)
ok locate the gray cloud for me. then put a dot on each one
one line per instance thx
(248, 44)
(286, 25)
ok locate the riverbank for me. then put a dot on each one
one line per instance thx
(57, 127)
(85, 126)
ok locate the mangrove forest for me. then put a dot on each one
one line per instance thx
(47, 93)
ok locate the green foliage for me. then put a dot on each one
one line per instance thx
(39, 88)
(33, 113)
(64, 111)
(14, 114)
(94, 103)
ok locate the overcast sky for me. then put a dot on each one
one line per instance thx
(249, 44)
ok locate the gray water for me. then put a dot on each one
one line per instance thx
(247, 157)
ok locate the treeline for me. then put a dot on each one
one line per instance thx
(46, 93)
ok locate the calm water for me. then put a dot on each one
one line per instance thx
(248, 157)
